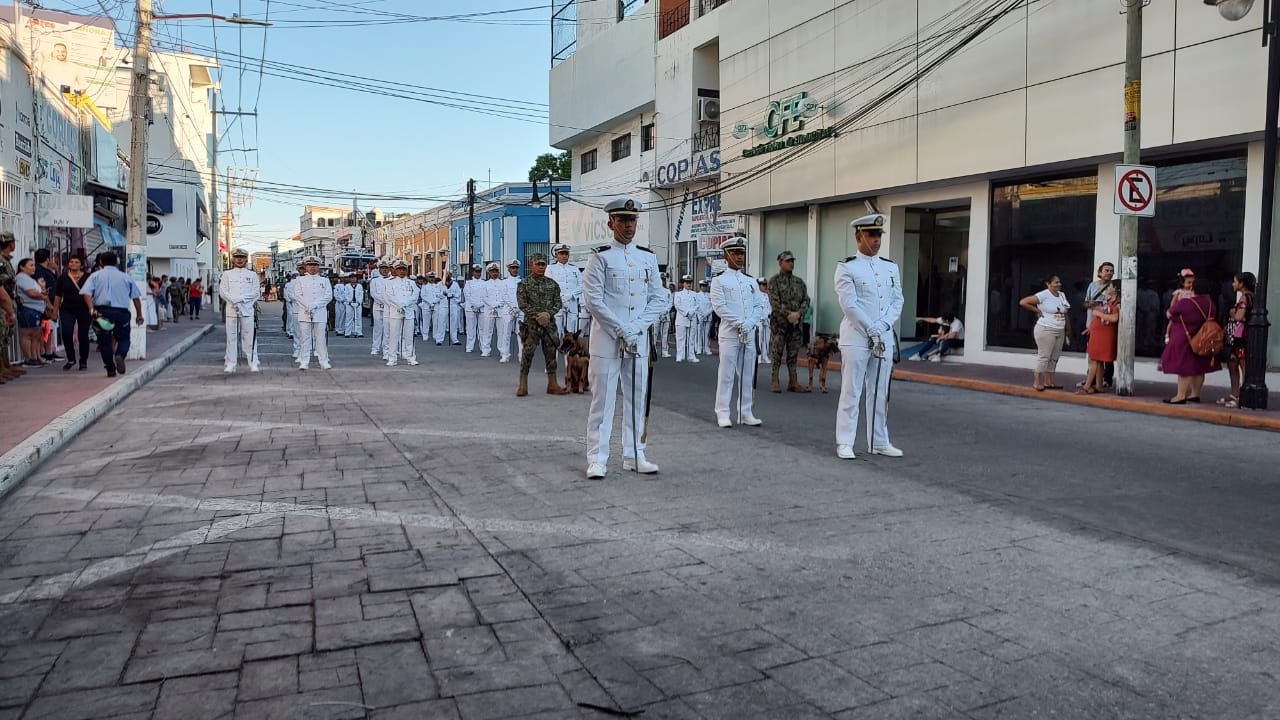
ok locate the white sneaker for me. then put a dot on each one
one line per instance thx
(229, 369)
(255, 368)
(326, 366)
(886, 450)
(845, 452)
(373, 352)
(413, 362)
(935, 358)
(645, 467)
(914, 358)
(391, 363)
(694, 359)
(504, 360)
(595, 471)
(752, 420)
(666, 354)
(724, 421)
(302, 367)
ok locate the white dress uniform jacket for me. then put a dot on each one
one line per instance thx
(399, 300)
(494, 309)
(312, 294)
(623, 291)
(378, 347)
(870, 293)
(341, 306)
(428, 299)
(355, 321)
(240, 289)
(569, 278)
(736, 298)
(447, 313)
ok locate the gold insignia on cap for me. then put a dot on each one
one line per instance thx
(630, 206)
(879, 220)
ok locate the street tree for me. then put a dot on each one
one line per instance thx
(558, 167)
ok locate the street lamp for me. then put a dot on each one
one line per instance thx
(536, 201)
(233, 19)
(1253, 393)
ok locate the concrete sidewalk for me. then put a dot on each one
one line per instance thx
(1148, 396)
(49, 406)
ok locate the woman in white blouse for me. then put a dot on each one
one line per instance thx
(1051, 331)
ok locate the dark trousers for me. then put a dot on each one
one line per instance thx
(75, 327)
(193, 307)
(120, 335)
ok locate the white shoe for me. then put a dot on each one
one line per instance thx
(886, 450)
(595, 471)
(325, 366)
(391, 363)
(645, 467)
(845, 452)
(485, 354)
(413, 362)
(255, 368)
(302, 367)
(373, 352)
(504, 359)
(679, 360)
(229, 369)
(724, 421)
(752, 420)
(694, 359)
(935, 358)
(914, 358)
(666, 354)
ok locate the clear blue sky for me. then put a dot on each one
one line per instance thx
(329, 137)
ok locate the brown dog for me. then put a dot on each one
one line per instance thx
(820, 352)
(577, 360)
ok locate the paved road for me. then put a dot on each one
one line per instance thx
(418, 543)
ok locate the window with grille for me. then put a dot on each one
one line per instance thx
(646, 137)
(588, 161)
(621, 147)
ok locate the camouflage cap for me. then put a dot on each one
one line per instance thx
(537, 258)
(786, 255)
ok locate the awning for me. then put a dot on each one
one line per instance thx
(107, 234)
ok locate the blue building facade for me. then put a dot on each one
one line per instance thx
(507, 225)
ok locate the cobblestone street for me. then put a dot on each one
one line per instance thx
(416, 543)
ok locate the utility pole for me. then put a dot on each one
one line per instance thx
(139, 99)
(229, 220)
(1126, 346)
(471, 222)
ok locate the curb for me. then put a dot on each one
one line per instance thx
(1240, 419)
(21, 461)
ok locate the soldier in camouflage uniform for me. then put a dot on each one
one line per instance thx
(789, 299)
(538, 297)
(8, 306)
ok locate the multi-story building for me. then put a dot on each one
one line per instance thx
(327, 231)
(508, 224)
(987, 132)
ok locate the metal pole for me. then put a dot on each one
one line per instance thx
(1126, 346)
(471, 221)
(139, 96)
(1253, 393)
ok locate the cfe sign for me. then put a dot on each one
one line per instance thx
(1135, 190)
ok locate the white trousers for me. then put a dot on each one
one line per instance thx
(311, 336)
(427, 313)
(685, 347)
(763, 350)
(704, 340)
(340, 317)
(295, 329)
(398, 335)
(606, 374)
(737, 360)
(240, 336)
(506, 324)
(858, 369)
(566, 322)
(488, 321)
(445, 320)
(379, 318)
(662, 328)
(473, 327)
(355, 324)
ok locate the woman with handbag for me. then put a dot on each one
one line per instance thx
(74, 314)
(1244, 284)
(1186, 316)
(35, 303)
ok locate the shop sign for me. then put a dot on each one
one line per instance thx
(22, 143)
(64, 211)
(791, 141)
(689, 169)
(707, 226)
(784, 126)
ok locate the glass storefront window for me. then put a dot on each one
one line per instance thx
(1038, 229)
(1199, 224)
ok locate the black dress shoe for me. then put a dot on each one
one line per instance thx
(1171, 401)
(68, 366)
(1193, 399)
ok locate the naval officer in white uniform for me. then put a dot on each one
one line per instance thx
(869, 289)
(312, 293)
(737, 299)
(623, 292)
(240, 290)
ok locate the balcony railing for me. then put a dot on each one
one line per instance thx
(706, 6)
(673, 19)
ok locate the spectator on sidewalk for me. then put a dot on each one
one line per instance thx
(47, 273)
(1051, 330)
(152, 312)
(177, 298)
(1244, 283)
(950, 334)
(1184, 290)
(8, 305)
(195, 294)
(74, 314)
(1103, 337)
(1094, 295)
(34, 302)
(108, 293)
(162, 301)
(1185, 319)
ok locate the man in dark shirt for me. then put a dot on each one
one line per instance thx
(47, 275)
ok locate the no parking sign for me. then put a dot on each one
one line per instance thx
(1135, 190)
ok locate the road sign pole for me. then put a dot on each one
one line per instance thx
(1126, 346)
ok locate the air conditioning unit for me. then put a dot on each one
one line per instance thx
(709, 110)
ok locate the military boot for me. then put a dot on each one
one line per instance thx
(11, 372)
(524, 385)
(773, 380)
(793, 384)
(553, 387)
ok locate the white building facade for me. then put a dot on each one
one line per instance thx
(987, 131)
